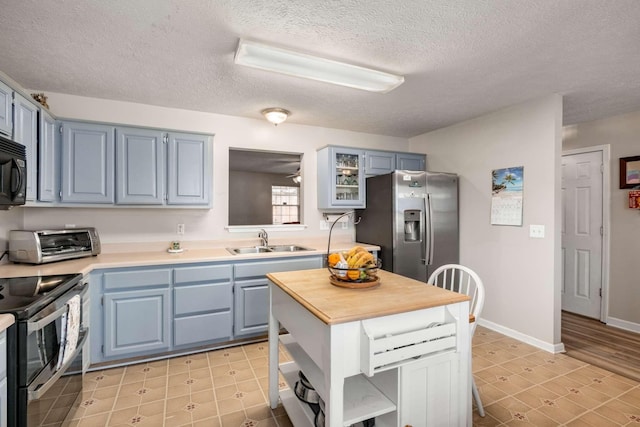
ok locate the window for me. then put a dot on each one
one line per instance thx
(285, 203)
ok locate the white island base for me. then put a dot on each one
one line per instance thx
(411, 368)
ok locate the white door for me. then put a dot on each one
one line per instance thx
(582, 233)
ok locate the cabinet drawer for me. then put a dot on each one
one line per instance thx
(256, 269)
(202, 327)
(199, 298)
(204, 273)
(137, 279)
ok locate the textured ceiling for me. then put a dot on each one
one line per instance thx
(460, 59)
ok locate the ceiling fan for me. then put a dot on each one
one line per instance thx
(297, 178)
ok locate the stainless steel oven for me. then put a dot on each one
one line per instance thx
(45, 347)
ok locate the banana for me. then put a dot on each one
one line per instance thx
(354, 250)
(360, 259)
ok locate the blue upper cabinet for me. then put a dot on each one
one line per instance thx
(25, 131)
(6, 112)
(379, 162)
(189, 169)
(47, 158)
(340, 178)
(411, 161)
(87, 163)
(140, 166)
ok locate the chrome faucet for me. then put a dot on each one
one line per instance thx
(264, 237)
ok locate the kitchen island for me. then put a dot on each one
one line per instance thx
(398, 352)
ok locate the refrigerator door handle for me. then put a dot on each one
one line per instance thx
(429, 226)
(425, 233)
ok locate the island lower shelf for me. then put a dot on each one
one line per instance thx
(362, 400)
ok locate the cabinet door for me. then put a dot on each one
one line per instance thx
(411, 162)
(6, 112)
(87, 163)
(251, 312)
(430, 392)
(25, 131)
(340, 178)
(47, 164)
(136, 322)
(189, 173)
(140, 166)
(379, 162)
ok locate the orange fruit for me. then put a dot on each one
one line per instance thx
(353, 274)
(333, 259)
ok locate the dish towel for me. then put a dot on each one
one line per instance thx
(72, 329)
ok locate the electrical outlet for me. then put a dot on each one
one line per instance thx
(324, 225)
(345, 225)
(180, 229)
(536, 231)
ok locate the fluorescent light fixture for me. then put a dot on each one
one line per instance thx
(275, 115)
(292, 63)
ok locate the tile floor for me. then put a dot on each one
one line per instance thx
(519, 384)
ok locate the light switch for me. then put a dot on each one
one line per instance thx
(536, 231)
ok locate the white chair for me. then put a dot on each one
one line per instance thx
(458, 278)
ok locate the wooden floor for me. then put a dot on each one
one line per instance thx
(594, 342)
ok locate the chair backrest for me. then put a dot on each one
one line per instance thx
(458, 278)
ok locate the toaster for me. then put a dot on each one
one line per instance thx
(42, 246)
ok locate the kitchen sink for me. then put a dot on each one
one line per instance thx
(265, 249)
(288, 248)
(249, 250)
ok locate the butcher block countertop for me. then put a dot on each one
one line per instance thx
(333, 304)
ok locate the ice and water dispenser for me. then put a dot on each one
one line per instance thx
(412, 225)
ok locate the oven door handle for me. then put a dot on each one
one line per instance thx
(36, 326)
(37, 391)
(39, 324)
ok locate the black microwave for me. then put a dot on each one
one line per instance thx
(13, 174)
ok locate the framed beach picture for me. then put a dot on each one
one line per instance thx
(629, 172)
(507, 195)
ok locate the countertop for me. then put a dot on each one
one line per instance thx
(126, 256)
(333, 304)
(6, 320)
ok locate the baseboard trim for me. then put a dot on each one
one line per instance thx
(623, 324)
(542, 345)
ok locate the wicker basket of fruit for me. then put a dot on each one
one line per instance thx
(356, 268)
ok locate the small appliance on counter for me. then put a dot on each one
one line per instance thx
(42, 246)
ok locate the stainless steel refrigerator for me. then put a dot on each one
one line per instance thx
(413, 217)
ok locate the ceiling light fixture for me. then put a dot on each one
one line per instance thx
(292, 63)
(276, 115)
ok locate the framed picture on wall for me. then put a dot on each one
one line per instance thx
(629, 172)
(506, 196)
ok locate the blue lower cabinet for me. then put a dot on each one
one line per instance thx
(251, 300)
(251, 307)
(202, 313)
(202, 328)
(136, 322)
(145, 311)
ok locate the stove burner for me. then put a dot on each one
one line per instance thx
(24, 296)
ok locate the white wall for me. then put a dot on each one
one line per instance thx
(622, 133)
(150, 225)
(521, 274)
